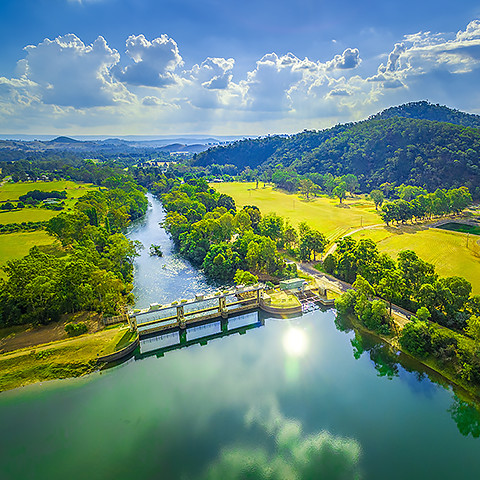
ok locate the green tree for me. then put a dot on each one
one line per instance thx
(340, 191)
(377, 197)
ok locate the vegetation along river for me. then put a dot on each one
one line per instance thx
(297, 398)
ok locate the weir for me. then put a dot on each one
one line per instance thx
(202, 308)
(162, 342)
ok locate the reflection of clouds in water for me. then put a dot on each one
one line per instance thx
(296, 456)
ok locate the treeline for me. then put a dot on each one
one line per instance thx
(427, 111)
(426, 205)
(209, 231)
(35, 196)
(21, 227)
(93, 269)
(408, 282)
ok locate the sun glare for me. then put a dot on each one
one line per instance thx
(295, 342)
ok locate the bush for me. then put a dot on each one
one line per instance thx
(416, 337)
(75, 329)
(330, 263)
(346, 302)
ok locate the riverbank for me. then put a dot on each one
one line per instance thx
(72, 357)
(462, 388)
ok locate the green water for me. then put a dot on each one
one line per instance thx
(301, 398)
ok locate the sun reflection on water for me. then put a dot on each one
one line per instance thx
(295, 342)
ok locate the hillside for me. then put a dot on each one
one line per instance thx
(396, 150)
(428, 111)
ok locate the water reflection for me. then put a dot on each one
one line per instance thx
(295, 342)
(293, 456)
(466, 416)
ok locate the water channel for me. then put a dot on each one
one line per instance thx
(301, 398)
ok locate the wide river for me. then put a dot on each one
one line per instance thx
(301, 398)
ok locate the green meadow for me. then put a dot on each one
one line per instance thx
(322, 213)
(448, 251)
(12, 191)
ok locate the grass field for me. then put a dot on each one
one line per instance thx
(27, 215)
(17, 245)
(12, 191)
(322, 213)
(446, 250)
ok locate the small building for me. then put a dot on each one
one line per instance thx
(293, 284)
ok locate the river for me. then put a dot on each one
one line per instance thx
(301, 398)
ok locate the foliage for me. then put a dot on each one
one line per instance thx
(243, 277)
(98, 270)
(383, 150)
(416, 337)
(75, 329)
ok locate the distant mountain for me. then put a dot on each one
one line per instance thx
(428, 111)
(64, 140)
(388, 148)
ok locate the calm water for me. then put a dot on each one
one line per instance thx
(302, 398)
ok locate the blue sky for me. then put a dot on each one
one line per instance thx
(117, 67)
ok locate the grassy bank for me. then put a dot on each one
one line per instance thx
(67, 358)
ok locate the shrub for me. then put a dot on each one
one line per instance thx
(75, 329)
(416, 337)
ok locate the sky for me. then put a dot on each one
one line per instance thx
(250, 67)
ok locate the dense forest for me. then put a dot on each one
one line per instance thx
(397, 150)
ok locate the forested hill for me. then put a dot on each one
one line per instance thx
(428, 111)
(396, 150)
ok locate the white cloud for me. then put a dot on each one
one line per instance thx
(67, 72)
(349, 59)
(154, 61)
(67, 82)
(213, 73)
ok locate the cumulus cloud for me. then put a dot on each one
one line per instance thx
(65, 78)
(67, 72)
(213, 73)
(350, 58)
(153, 61)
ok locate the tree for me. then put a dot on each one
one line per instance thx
(473, 328)
(340, 191)
(242, 221)
(423, 314)
(391, 286)
(351, 183)
(246, 278)
(226, 201)
(377, 197)
(416, 337)
(306, 186)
